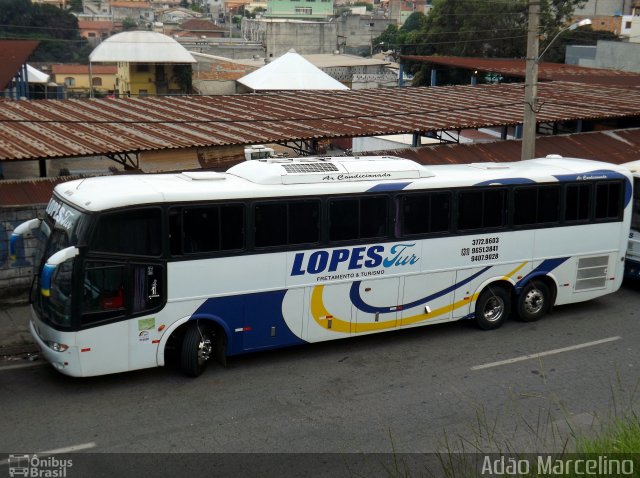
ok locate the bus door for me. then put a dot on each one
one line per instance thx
(122, 298)
(376, 304)
(427, 297)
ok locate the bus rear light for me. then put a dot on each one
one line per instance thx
(57, 346)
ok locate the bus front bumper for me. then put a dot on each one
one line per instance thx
(66, 362)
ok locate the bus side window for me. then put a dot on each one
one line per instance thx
(111, 288)
(609, 200)
(103, 290)
(202, 229)
(482, 209)
(358, 218)
(130, 232)
(577, 202)
(148, 287)
(425, 213)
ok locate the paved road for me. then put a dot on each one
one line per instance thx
(419, 390)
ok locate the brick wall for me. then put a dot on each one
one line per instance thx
(16, 275)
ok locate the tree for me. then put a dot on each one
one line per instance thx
(75, 6)
(57, 30)
(481, 28)
(129, 24)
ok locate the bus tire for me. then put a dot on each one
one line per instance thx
(197, 350)
(492, 308)
(534, 301)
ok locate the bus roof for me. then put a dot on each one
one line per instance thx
(313, 176)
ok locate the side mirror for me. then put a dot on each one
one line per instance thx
(50, 267)
(18, 232)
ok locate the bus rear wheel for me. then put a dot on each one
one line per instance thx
(534, 301)
(492, 308)
(197, 350)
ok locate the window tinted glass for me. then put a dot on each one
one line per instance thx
(536, 205)
(231, 227)
(425, 213)
(206, 229)
(470, 210)
(577, 202)
(270, 224)
(103, 289)
(201, 229)
(608, 200)
(343, 219)
(525, 205)
(131, 232)
(358, 218)
(304, 222)
(415, 217)
(548, 204)
(373, 217)
(440, 212)
(494, 208)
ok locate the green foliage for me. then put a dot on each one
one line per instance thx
(56, 29)
(415, 22)
(478, 28)
(75, 6)
(182, 75)
(369, 6)
(129, 24)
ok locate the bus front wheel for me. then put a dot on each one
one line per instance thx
(533, 301)
(197, 350)
(492, 308)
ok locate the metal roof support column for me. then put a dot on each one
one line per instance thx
(401, 75)
(531, 83)
(90, 80)
(434, 78)
(416, 140)
(518, 132)
(503, 132)
(579, 126)
(474, 78)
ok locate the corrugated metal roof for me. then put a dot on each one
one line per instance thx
(546, 71)
(13, 53)
(619, 146)
(69, 128)
(24, 192)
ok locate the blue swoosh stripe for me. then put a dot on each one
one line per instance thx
(387, 187)
(356, 300)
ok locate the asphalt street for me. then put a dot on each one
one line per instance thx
(526, 386)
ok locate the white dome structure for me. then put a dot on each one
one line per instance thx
(140, 47)
(291, 71)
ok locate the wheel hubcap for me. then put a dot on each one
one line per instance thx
(494, 309)
(533, 301)
(204, 350)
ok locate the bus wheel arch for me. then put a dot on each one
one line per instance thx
(204, 337)
(493, 304)
(536, 298)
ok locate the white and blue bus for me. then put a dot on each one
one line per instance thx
(632, 263)
(203, 265)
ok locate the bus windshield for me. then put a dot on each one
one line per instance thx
(60, 228)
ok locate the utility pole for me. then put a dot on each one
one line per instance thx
(531, 83)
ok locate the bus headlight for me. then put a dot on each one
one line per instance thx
(56, 346)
